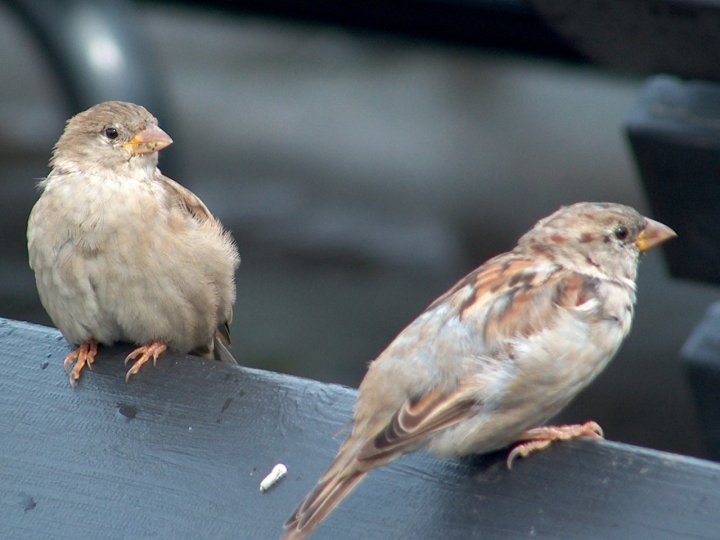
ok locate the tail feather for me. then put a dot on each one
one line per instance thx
(319, 503)
(221, 352)
(357, 456)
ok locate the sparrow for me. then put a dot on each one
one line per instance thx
(122, 253)
(497, 355)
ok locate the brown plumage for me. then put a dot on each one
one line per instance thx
(502, 351)
(123, 253)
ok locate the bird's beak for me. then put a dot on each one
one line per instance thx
(149, 140)
(654, 234)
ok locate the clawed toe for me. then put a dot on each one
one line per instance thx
(142, 355)
(83, 356)
(540, 438)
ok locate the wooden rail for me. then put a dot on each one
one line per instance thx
(179, 453)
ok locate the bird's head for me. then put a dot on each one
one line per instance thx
(608, 236)
(111, 135)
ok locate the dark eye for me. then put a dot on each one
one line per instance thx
(111, 133)
(621, 232)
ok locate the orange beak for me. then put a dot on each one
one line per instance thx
(149, 140)
(654, 234)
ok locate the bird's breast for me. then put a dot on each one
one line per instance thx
(103, 213)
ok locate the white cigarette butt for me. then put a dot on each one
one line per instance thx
(273, 478)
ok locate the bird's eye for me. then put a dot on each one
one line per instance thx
(111, 133)
(621, 232)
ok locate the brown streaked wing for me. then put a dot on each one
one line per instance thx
(184, 198)
(486, 271)
(418, 418)
(517, 297)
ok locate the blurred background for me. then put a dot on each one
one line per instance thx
(362, 172)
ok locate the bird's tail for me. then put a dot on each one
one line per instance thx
(221, 352)
(340, 479)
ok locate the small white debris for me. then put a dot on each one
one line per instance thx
(273, 478)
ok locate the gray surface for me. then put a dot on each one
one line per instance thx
(91, 47)
(644, 36)
(701, 356)
(674, 130)
(179, 453)
(362, 176)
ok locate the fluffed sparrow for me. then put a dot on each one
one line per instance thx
(123, 253)
(498, 354)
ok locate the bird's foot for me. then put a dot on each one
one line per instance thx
(541, 437)
(83, 356)
(142, 355)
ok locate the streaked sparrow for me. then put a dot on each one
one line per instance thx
(498, 354)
